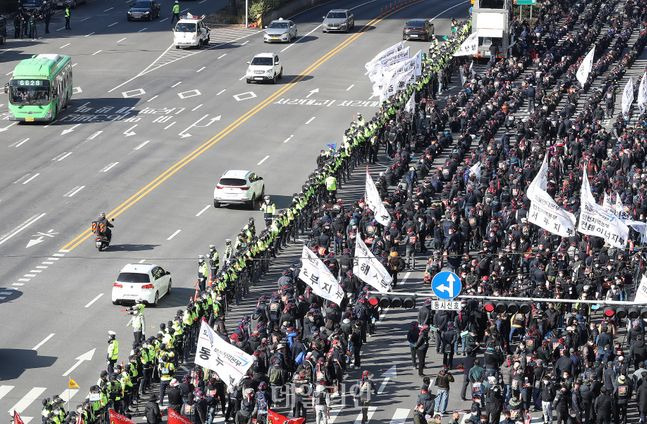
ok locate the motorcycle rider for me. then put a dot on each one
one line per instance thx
(104, 226)
(214, 261)
(269, 210)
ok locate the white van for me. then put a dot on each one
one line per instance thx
(190, 31)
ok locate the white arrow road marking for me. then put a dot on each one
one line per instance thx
(87, 356)
(263, 160)
(21, 227)
(390, 374)
(129, 131)
(371, 411)
(311, 92)
(35, 241)
(109, 167)
(184, 133)
(310, 120)
(31, 178)
(72, 192)
(142, 145)
(93, 300)
(400, 416)
(45, 340)
(8, 126)
(288, 139)
(77, 90)
(26, 400)
(173, 235)
(93, 136)
(69, 130)
(203, 210)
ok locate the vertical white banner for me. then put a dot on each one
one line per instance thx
(317, 275)
(585, 67)
(627, 97)
(642, 93)
(368, 268)
(374, 202)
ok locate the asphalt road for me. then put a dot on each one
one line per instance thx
(146, 137)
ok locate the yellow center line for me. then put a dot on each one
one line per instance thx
(173, 169)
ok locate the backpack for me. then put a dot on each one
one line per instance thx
(275, 376)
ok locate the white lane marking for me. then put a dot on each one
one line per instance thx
(26, 400)
(31, 178)
(112, 24)
(64, 156)
(42, 342)
(59, 254)
(24, 279)
(142, 261)
(203, 210)
(48, 263)
(348, 89)
(39, 268)
(142, 30)
(56, 259)
(87, 35)
(263, 160)
(142, 145)
(36, 271)
(74, 64)
(4, 390)
(60, 29)
(169, 125)
(288, 139)
(75, 190)
(93, 136)
(201, 1)
(85, 19)
(9, 73)
(242, 78)
(108, 9)
(68, 394)
(247, 41)
(165, 19)
(196, 108)
(310, 120)
(152, 98)
(109, 167)
(64, 45)
(97, 52)
(184, 10)
(29, 275)
(201, 69)
(173, 235)
(400, 416)
(371, 411)
(21, 227)
(300, 38)
(221, 91)
(93, 300)
(129, 132)
(18, 284)
(222, 55)
(21, 142)
(176, 84)
(119, 41)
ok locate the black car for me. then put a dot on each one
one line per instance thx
(144, 10)
(418, 29)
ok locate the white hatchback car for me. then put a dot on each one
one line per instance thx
(264, 67)
(239, 187)
(147, 282)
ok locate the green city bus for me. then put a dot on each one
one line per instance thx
(40, 87)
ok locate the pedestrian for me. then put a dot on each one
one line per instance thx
(175, 10)
(421, 346)
(419, 414)
(443, 380)
(112, 353)
(17, 25)
(321, 403)
(175, 396)
(67, 13)
(47, 16)
(137, 322)
(412, 338)
(493, 401)
(530, 97)
(622, 394)
(152, 412)
(366, 389)
(449, 338)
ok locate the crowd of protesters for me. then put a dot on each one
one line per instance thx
(25, 22)
(562, 358)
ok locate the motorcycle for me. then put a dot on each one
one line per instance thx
(101, 242)
(101, 239)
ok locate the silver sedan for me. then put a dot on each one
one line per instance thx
(280, 30)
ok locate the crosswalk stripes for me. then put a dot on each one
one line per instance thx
(400, 416)
(4, 390)
(26, 400)
(371, 411)
(68, 394)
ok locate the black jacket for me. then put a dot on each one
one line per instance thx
(152, 412)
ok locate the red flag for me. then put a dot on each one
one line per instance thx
(276, 418)
(175, 418)
(118, 418)
(17, 419)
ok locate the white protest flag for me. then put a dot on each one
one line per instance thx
(384, 53)
(544, 211)
(627, 97)
(377, 73)
(418, 63)
(619, 207)
(585, 67)
(640, 227)
(374, 203)
(469, 46)
(229, 362)
(606, 202)
(642, 93)
(598, 221)
(476, 170)
(641, 292)
(317, 275)
(369, 269)
(410, 106)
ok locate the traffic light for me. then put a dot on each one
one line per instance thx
(506, 307)
(622, 313)
(394, 301)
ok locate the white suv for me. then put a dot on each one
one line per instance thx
(147, 282)
(190, 31)
(264, 67)
(237, 186)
